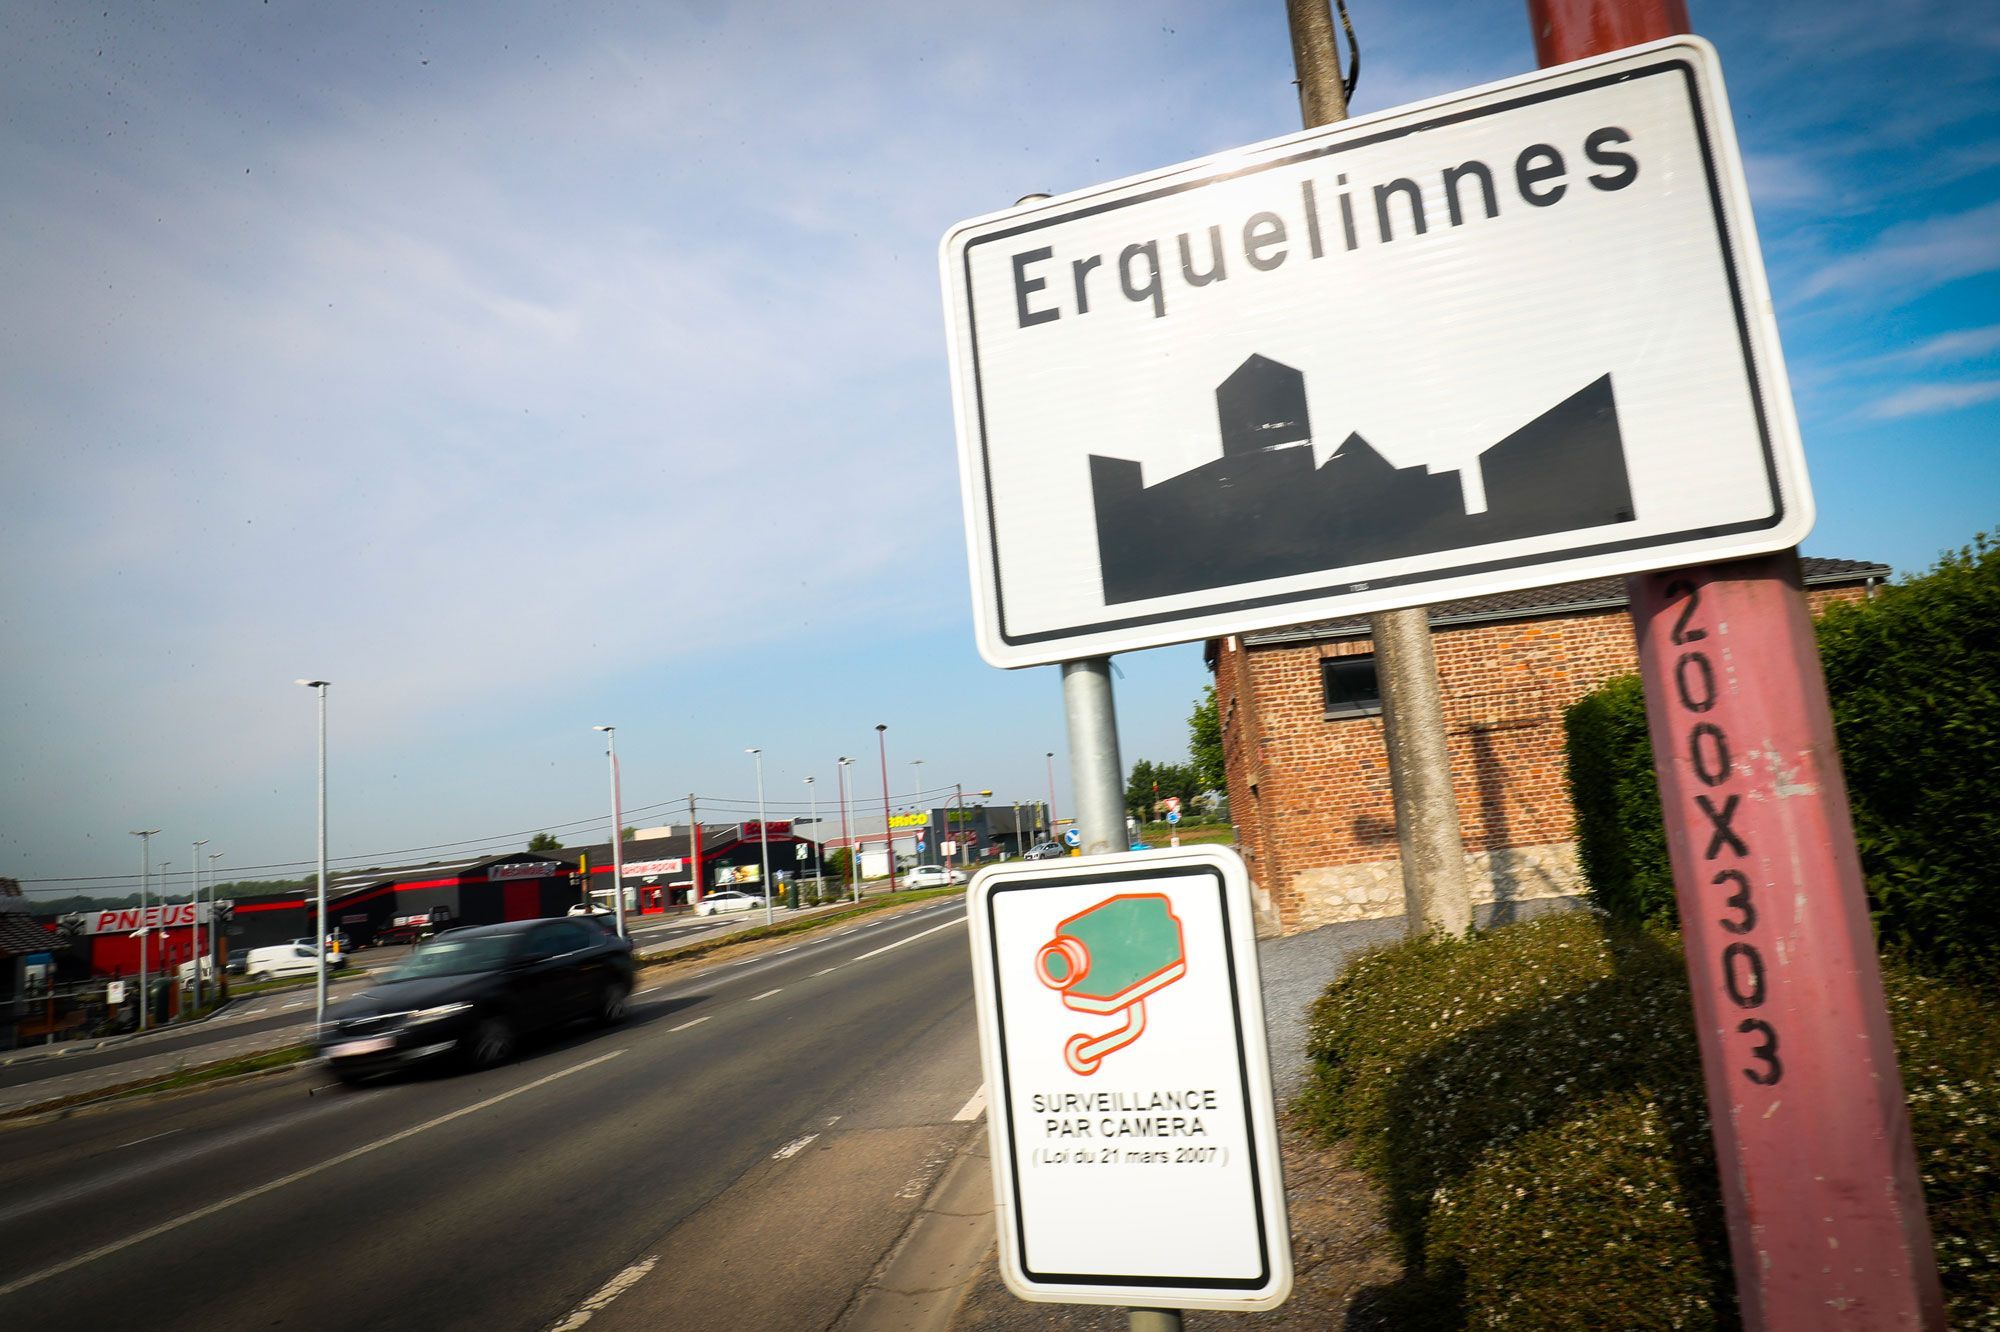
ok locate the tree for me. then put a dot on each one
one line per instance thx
(543, 842)
(627, 833)
(1205, 743)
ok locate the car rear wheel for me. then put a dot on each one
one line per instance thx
(611, 1003)
(492, 1041)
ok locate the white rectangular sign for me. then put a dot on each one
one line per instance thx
(1135, 1146)
(1506, 338)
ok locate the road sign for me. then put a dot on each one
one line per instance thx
(799, 851)
(1173, 816)
(1505, 338)
(1173, 804)
(1122, 1033)
(1072, 837)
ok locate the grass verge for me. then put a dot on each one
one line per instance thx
(1530, 1100)
(264, 1061)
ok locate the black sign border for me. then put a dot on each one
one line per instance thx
(1779, 510)
(1005, 1104)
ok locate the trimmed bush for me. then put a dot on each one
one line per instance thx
(1621, 838)
(1915, 681)
(1914, 678)
(1530, 1100)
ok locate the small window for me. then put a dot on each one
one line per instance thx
(1351, 690)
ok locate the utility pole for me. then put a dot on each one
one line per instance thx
(888, 828)
(145, 836)
(1429, 840)
(853, 879)
(694, 851)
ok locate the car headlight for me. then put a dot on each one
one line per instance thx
(433, 1014)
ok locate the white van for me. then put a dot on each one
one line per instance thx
(186, 973)
(284, 960)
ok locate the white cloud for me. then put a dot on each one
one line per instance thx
(1914, 257)
(1961, 345)
(1929, 399)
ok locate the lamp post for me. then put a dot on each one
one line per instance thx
(1050, 812)
(763, 835)
(213, 856)
(146, 935)
(918, 764)
(958, 842)
(194, 926)
(812, 794)
(888, 830)
(319, 984)
(617, 832)
(145, 836)
(853, 879)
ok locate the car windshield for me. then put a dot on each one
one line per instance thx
(456, 956)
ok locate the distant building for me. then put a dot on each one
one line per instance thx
(1309, 774)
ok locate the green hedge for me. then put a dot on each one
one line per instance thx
(1914, 677)
(1530, 1101)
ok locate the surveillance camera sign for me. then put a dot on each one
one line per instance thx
(1505, 338)
(1134, 1135)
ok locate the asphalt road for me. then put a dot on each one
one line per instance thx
(740, 1153)
(261, 1022)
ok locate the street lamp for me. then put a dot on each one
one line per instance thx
(812, 794)
(918, 764)
(319, 985)
(888, 829)
(194, 927)
(853, 879)
(1051, 810)
(145, 836)
(617, 832)
(958, 841)
(763, 834)
(213, 856)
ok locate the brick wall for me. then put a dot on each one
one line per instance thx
(1310, 795)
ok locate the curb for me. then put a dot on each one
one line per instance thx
(935, 1263)
(28, 1117)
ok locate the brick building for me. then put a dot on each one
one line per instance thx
(1309, 774)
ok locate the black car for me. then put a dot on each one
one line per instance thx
(475, 992)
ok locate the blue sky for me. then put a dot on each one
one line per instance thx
(524, 369)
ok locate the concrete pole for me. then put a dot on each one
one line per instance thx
(1435, 895)
(145, 836)
(1094, 767)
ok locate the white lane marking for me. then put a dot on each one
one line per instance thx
(912, 939)
(151, 1138)
(606, 1293)
(200, 1213)
(832, 1120)
(824, 970)
(973, 1108)
(766, 995)
(649, 989)
(685, 1025)
(255, 1011)
(296, 1003)
(793, 1148)
(782, 951)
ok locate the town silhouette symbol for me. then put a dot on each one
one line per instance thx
(1262, 510)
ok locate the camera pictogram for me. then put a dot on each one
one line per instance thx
(1109, 958)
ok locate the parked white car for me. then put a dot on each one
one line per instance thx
(932, 876)
(728, 900)
(289, 959)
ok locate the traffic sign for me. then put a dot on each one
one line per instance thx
(1072, 837)
(1173, 816)
(1173, 804)
(1504, 338)
(1121, 1029)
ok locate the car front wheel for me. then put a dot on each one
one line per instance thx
(491, 1042)
(611, 1002)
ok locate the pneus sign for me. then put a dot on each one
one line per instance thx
(1135, 1151)
(1505, 338)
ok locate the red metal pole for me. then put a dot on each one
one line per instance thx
(1812, 1135)
(888, 829)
